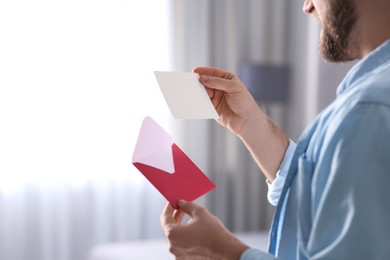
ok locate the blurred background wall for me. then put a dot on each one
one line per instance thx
(75, 83)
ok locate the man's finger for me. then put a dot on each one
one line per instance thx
(227, 85)
(210, 92)
(213, 72)
(178, 215)
(190, 208)
(166, 217)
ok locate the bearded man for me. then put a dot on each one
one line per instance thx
(331, 189)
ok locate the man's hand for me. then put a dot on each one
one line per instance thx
(229, 96)
(203, 237)
(240, 113)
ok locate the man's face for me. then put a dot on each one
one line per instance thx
(338, 20)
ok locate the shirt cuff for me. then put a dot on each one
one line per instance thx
(275, 188)
(255, 254)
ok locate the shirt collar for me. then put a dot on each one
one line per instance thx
(375, 59)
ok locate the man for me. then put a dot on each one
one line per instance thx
(331, 189)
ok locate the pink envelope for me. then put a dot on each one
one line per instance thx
(167, 167)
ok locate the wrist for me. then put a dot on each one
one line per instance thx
(266, 142)
(253, 122)
(230, 249)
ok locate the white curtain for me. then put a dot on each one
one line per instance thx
(224, 33)
(64, 220)
(76, 80)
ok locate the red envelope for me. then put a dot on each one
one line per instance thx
(167, 167)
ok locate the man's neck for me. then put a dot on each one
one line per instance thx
(374, 25)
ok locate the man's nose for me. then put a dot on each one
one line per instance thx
(308, 6)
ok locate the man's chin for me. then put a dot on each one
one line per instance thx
(331, 51)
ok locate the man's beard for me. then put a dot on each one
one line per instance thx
(336, 44)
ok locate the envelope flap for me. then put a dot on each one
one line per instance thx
(154, 147)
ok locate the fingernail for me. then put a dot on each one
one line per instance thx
(307, 6)
(181, 202)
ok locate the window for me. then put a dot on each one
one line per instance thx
(76, 80)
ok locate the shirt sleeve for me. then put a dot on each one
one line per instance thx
(255, 254)
(275, 188)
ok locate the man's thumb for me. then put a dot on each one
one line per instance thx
(188, 207)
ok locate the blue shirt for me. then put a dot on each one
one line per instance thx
(338, 203)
